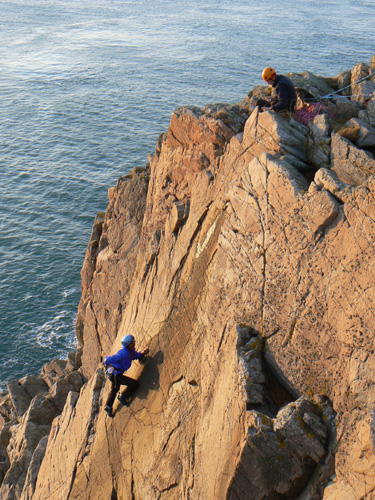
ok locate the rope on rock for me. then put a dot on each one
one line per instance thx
(330, 96)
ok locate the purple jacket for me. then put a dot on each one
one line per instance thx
(122, 360)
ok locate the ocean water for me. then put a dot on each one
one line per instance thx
(85, 90)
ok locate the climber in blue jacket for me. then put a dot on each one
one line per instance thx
(285, 98)
(116, 366)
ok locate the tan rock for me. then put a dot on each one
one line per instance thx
(109, 267)
(33, 469)
(71, 436)
(363, 89)
(25, 436)
(22, 392)
(351, 164)
(262, 246)
(278, 453)
(364, 136)
(371, 111)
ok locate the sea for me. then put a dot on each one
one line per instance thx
(86, 87)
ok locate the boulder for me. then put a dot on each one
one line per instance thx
(342, 109)
(279, 454)
(365, 88)
(25, 436)
(366, 134)
(318, 142)
(316, 85)
(351, 164)
(70, 383)
(269, 132)
(24, 390)
(371, 111)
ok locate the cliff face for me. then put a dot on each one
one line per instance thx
(243, 257)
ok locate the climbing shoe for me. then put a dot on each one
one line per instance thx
(108, 409)
(122, 400)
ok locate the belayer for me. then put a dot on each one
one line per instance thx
(285, 93)
(116, 366)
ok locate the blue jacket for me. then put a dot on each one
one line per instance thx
(122, 360)
(285, 92)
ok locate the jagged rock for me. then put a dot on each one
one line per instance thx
(267, 131)
(25, 436)
(344, 81)
(278, 454)
(371, 112)
(359, 132)
(328, 180)
(73, 437)
(318, 143)
(233, 117)
(88, 267)
(107, 274)
(317, 85)
(264, 246)
(23, 391)
(59, 391)
(251, 368)
(350, 130)
(342, 110)
(178, 216)
(189, 126)
(33, 469)
(54, 370)
(362, 90)
(351, 164)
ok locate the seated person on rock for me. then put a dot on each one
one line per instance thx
(118, 364)
(285, 93)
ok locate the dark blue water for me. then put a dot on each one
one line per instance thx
(86, 88)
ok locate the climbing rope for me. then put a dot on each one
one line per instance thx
(330, 96)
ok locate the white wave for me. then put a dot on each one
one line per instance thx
(69, 291)
(56, 329)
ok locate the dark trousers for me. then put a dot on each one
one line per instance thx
(262, 103)
(117, 381)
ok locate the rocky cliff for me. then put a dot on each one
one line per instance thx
(243, 256)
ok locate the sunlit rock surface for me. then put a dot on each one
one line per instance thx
(243, 256)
